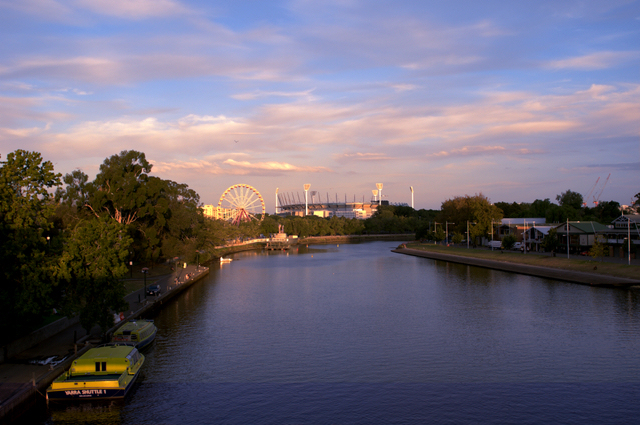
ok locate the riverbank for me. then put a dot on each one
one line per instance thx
(356, 238)
(585, 272)
(25, 377)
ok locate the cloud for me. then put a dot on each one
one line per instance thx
(273, 166)
(134, 9)
(50, 10)
(359, 156)
(260, 93)
(598, 60)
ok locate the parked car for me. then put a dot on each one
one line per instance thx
(153, 289)
(495, 244)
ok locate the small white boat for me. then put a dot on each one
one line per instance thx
(225, 260)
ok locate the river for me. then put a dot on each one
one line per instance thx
(355, 334)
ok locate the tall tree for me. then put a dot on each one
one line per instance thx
(570, 199)
(25, 209)
(92, 266)
(470, 209)
(117, 187)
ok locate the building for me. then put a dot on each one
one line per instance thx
(534, 236)
(617, 236)
(517, 226)
(581, 234)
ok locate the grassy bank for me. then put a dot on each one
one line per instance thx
(588, 265)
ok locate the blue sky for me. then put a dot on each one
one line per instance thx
(515, 100)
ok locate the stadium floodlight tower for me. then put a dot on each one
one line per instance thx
(276, 200)
(375, 194)
(306, 201)
(379, 186)
(411, 187)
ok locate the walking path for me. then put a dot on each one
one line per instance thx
(28, 374)
(583, 278)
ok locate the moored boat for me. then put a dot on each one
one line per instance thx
(139, 332)
(104, 372)
(225, 260)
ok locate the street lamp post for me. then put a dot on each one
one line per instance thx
(468, 233)
(629, 240)
(524, 237)
(492, 234)
(446, 226)
(568, 240)
(144, 272)
(306, 202)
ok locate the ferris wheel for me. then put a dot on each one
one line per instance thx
(242, 202)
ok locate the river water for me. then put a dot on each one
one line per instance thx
(355, 334)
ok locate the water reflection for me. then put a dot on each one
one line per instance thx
(90, 412)
(344, 334)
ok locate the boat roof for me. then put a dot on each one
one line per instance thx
(134, 326)
(109, 351)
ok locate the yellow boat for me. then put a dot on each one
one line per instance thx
(139, 332)
(104, 372)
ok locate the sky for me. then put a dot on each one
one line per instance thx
(515, 100)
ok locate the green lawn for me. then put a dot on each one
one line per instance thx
(588, 264)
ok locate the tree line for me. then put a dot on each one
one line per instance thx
(66, 242)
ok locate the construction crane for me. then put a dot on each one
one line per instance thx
(586, 198)
(596, 200)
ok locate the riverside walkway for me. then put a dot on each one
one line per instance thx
(591, 279)
(25, 377)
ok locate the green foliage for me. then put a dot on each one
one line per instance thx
(597, 249)
(438, 235)
(508, 241)
(26, 208)
(92, 265)
(457, 238)
(119, 188)
(605, 212)
(570, 199)
(470, 209)
(550, 243)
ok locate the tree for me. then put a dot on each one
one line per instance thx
(605, 212)
(513, 210)
(92, 265)
(473, 209)
(25, 210)
(551, 242)
(508, 241)
(570, 199)
(597, 249)
(116, 188)
(539, 207)
(438, 235)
